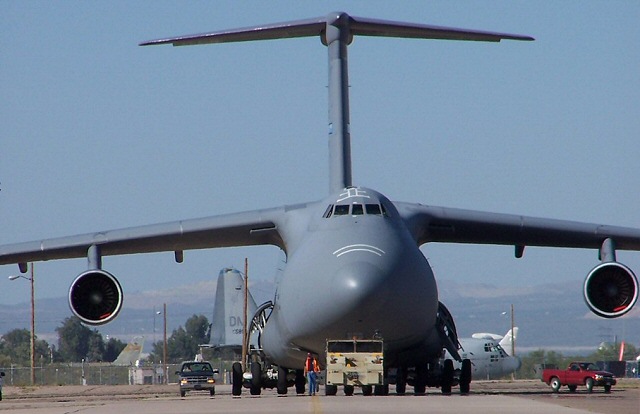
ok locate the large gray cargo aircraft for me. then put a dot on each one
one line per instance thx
(353, 263)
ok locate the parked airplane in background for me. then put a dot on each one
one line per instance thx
(130, 355)
(353, 260)
(507, 342)
(228, 311)
(227, 325)
(489, 358)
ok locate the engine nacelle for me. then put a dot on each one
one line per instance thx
(610, 289)
(95, 297)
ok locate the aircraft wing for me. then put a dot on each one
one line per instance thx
(258, 227)
(452, 225)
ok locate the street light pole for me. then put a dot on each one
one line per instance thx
(164, 346)
(32, 341)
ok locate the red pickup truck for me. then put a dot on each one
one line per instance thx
(579, 373)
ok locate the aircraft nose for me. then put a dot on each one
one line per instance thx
(514, 363)
(356, 284)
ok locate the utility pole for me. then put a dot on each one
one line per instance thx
(245, 333)
(513, 342)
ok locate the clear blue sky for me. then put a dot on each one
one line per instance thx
(98, 133)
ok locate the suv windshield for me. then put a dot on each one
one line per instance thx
(196, 367)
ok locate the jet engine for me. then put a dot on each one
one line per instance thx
(610, 289)
(95, 297)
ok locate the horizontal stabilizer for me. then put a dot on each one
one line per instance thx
(487, 336)
(355, 25)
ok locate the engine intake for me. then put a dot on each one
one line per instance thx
(610, 289)
(95, 297)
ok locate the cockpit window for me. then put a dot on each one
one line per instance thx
(373, 209)
(341, 210)
(384, 211)
(355, 210)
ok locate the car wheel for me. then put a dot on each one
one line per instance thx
(555, 384)
(330, 389)
(589, 384)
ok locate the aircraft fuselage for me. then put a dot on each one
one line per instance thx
(357, 272)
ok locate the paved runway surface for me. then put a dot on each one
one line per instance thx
(493, 397)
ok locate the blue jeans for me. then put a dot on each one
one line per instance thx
(311, 379)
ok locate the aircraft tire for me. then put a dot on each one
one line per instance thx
(282, 381)
(465, 377)
(401, 382)
(236, 379)
(367, 390)
(420, 382)
(348, 390)
(256, 378)
(300, 382)
(447, 377)
(381, 389)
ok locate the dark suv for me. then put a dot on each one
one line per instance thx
(196, 376)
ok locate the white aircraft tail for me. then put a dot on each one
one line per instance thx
(509, 339)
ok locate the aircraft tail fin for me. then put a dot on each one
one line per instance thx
(131, 353)
(336, 30)
(509, 339)
(228, 312)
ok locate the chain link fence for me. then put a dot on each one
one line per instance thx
(98, 373)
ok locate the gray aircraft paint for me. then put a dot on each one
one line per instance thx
(228, 319)
(490, 359)
(351, 274)
(131, 352)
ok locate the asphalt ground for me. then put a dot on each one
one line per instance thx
(495, 397)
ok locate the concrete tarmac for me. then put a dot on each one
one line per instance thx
(493, 397)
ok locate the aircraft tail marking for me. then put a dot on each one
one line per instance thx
(228, 320)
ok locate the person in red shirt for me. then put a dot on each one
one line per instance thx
(310, 373)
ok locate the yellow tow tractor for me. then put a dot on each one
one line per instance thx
(354, 363)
